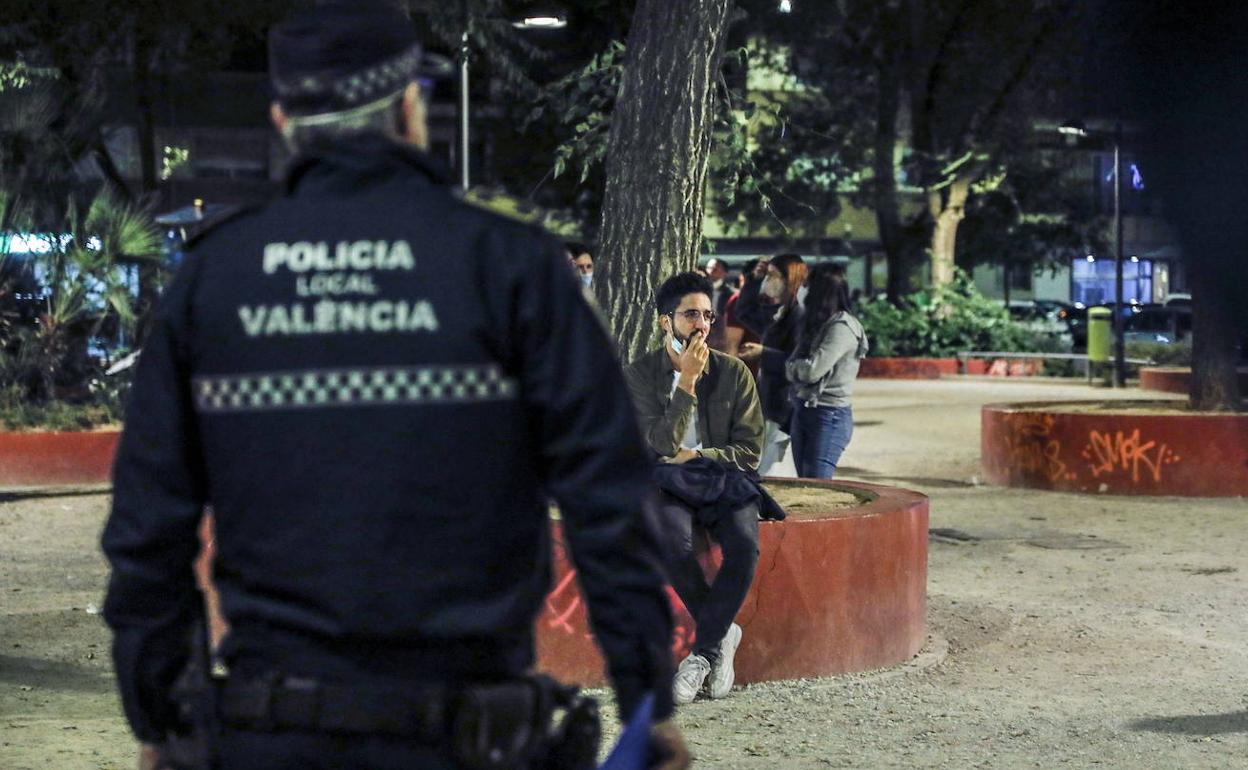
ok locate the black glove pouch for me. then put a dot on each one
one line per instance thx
(500, 726)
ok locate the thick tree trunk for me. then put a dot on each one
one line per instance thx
(657, 160)
(1218, 327)
(948, 211)
(884, 170)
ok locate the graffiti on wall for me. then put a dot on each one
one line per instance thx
(1065, 452)
(1119, 452)
(564, 613)
(1033, 447)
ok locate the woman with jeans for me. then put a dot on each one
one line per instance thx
(771, 309)
(822, 370)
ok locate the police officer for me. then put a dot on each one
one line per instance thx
(375, 386)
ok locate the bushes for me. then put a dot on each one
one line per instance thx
(941, 322)
(1162, 354)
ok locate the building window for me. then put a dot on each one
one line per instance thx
(1092, 281)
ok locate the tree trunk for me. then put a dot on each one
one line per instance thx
(1216, 336)
(884, 170)
(947, 211)
(657, 158)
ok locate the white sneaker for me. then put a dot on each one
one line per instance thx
(689, 678)
(722, 673)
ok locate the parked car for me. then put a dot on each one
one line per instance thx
(1076, 320)
(1166, 324)
(1042, 317)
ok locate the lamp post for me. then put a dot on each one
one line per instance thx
(535, 20)
(1078, 129)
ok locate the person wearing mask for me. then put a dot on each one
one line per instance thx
(582, 263)
(699, 412)
(721, 293)
(771, 308)
(380, 597)
(822, 371)
(735, 334)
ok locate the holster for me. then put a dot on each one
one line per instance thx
(529, 722)
(193, 745)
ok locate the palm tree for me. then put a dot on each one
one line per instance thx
(83, 274)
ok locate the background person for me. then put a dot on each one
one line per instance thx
(770, 309)
(699, 410)
(582, 263)
(822, 370)
(722, 292)
(358, 555)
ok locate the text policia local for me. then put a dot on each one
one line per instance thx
(349, 268)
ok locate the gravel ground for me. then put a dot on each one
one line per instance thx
(1065, 630)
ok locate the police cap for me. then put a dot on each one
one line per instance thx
(338, 55)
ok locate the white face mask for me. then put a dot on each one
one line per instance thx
(678, 347)
(801, 296)
(773, 287)
(587, 279)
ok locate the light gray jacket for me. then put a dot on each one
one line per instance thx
(825, 376)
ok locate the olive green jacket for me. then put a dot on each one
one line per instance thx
(730, 421)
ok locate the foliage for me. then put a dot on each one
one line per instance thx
(1162, 354)
(101, 409)
(1031, 216)
(943, 322)
(82, 290)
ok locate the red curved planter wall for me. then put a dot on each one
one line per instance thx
(833, 594)
(41, 459)
(907, 368)
(1177, 379)
(1041, 447)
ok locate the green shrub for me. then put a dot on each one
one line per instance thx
(1162, 354)
(944, 321)
(18, 414)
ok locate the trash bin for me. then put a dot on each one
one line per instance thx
(1100, 338)
(1100, 334)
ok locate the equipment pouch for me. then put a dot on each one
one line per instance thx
(498, 726)
(573, 743)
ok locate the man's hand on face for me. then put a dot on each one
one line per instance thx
(693, 360)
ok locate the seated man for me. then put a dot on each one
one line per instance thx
(699, 410)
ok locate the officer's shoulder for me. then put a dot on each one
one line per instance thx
(508, 216)
(221, 221)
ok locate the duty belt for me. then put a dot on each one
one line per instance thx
(418, 712)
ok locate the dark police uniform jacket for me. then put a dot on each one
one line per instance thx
(375, 386)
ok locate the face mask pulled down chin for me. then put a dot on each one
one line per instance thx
(678, 345)
(587, 279)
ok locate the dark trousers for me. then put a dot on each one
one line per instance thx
(291, 750)
(820, 435)
(713, 605)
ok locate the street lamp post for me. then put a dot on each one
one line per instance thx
(540, 20)
(1120, 355)
(465, 53)
(1077, 129)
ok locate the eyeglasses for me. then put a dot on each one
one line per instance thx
(692, 315)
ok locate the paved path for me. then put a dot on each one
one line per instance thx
(1068, 631)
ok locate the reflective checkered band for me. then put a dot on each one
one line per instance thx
(360, 86)
(318, 388)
